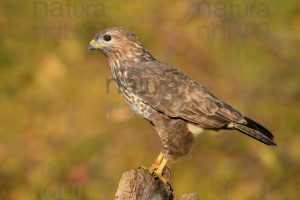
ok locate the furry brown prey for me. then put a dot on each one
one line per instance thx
(175, 104)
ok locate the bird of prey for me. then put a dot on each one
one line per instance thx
(176, 105)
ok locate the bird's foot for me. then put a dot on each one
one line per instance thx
(153, 167)
(163, 175)
(159, 170)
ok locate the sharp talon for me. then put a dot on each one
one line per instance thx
(167, 172)
(159, 170)
(163, 176)
(142, 167)
(169, 184)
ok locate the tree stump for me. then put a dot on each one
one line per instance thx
(139, 184)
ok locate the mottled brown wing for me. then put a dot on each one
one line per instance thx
(170, 91)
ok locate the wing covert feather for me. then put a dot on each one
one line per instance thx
(170, 91)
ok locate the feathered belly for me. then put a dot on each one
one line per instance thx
(137, 105)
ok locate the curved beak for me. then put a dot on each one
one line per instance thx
(94, 45)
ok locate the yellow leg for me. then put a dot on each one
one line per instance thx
(157, 162)
(159, 158)
(160, 169)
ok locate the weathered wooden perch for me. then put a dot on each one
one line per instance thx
(139, 184)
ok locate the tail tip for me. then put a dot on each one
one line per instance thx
(273, 144)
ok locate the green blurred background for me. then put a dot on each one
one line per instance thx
(66, 133)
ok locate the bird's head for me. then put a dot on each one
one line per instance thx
(119, 43)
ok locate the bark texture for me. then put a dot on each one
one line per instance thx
(139, 184)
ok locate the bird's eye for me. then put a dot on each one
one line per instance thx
(107, 37)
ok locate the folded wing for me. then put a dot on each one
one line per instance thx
(170, 91)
